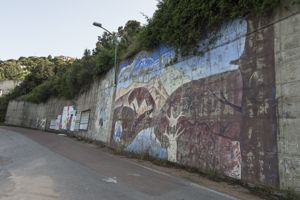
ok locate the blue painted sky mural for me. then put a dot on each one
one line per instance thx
(227, 48)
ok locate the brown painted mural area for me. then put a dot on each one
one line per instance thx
(259, 127)
(204, 117)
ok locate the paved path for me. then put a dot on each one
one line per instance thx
(36, 165)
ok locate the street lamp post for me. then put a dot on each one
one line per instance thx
(116, 46)
(115, 81)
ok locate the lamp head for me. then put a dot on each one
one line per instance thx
(97, 24)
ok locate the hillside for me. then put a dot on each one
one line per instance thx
(18, 69)
(26, 73)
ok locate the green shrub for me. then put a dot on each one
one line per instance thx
(181, 23)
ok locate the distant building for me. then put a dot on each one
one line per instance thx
(7, 85)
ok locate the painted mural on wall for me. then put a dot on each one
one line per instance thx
(55, 124)
(52, 124)
(73, 122)
(200, 111)
(102, 122)
(68, 118)
(41, 123)
(189, 112)
(58, 122)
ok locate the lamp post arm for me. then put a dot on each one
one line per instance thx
(116, 43)
(100, 26)
(107, 30)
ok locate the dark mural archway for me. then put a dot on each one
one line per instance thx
(259, 127)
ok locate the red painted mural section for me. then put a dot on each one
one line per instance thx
(209, 123)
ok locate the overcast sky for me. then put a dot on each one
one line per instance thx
(62, 27)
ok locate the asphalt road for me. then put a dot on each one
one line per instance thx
(38, 166)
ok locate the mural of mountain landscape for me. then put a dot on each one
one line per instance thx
(188, 112)
(193, 112)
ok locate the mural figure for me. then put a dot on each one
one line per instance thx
(118, 131)
(73, 121)
(69, 121)
(67, 115)
(58, 122)
(172, 132)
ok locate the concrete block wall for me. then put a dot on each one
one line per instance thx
(287, 66)
(14, 113)
(98, 99)
(232, 110)
(25, 114)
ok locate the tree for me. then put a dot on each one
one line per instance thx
(172, 133)
(87, 53)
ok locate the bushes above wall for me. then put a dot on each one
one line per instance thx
(181, 23)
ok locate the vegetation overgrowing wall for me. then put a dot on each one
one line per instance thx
(225, 110)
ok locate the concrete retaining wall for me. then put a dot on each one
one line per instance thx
(232, 110)
(97, 100)
(287, 67)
